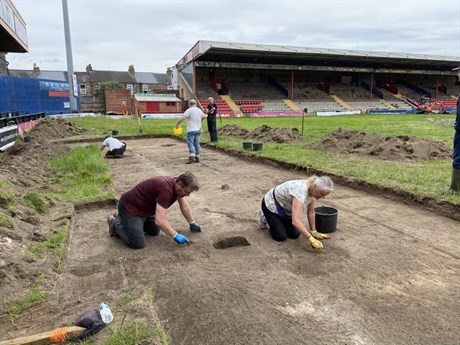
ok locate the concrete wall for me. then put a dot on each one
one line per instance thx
(3, 64)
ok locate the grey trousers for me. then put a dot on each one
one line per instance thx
(132, 229)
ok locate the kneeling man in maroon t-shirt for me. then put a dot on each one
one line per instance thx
(142, 209)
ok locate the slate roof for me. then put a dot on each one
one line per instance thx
(96, 76)
(49, 75)
(105, 76)
(162, 78)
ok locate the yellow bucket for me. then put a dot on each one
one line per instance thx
(177, 131)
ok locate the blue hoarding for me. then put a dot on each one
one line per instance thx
(29, 95)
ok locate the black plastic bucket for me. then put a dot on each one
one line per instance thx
(326, 219)
(257, 146)
(247, 146)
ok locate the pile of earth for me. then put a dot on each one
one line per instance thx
(263, 133)
(25, 171)
(399, 148)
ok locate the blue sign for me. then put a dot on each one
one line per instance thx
(54, 85)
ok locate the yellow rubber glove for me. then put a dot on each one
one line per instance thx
(320, 236)
(315, 244)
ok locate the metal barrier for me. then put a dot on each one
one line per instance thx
(13, 118)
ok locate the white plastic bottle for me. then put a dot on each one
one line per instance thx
(106, 313)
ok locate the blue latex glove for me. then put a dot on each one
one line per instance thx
(195, 227)
(181, 239)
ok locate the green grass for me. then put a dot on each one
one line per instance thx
(428, 178)
(56, 243)
(33, 297)
(6, 194)
(131, 333)
(6, 221)
(102, 125)
(125, 300)
(83, 175)
(36, 201)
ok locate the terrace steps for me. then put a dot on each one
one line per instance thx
(291, 105)
(230, 102)
(341, 102)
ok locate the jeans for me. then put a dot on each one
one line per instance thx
(193, 142)
(456, 154)
(212, 127)
(131, 229)
(280, 229)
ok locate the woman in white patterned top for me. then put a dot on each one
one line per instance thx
(282, 208)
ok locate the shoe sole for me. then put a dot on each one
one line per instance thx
(110, 220)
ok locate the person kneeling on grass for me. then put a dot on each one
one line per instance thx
(282, 208)
(142, 209)
(116, 147)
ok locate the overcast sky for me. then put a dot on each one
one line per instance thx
(153, 35)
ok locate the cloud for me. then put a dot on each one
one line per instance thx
(153, 35)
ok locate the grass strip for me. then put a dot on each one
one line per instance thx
(131, 333)
(83, 175)
(33, 297)
(56, 243)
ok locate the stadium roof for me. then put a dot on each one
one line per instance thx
(227, 53)
(13, 32)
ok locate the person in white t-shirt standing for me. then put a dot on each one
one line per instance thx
(282, 208)
(194, 117)
(116, 147)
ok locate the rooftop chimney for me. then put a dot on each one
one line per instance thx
(89, 68)
(131, 71)
(36, 69)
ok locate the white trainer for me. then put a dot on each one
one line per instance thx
(262, 220)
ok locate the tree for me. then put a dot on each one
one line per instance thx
(100, 91)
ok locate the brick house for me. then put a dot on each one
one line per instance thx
(135, 82)
(89, 81)
(157, 103)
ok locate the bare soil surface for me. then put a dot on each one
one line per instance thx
(24, 169)
(389, 275)
(400, 148)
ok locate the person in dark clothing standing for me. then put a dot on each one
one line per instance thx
(211, 111)
(455, 184)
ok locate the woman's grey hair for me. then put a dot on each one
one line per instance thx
(322, 183)
(187, 179)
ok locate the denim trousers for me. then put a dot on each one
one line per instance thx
(132, 229)
(193, 142)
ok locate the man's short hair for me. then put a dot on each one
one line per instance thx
(192, 101)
